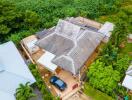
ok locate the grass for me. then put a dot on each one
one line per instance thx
(95, 94)
(127, 49)
(131, 97)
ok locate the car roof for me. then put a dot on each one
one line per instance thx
(59, 82)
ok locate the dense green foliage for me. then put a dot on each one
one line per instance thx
(103, 77)
(122, 64)
(9, 18)
(21, 18)
(24, 92)
(109, 54)
(106, 77)
(26, 15)
(13, 21)
(109, 69)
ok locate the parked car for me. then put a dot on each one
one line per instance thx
(57, 82)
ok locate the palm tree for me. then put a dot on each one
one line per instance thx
(24, 92)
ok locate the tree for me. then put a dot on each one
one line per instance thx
(121, 29)
(103, 77)
(24, 92)
(13, 21)
(31, 19)
(9, 19)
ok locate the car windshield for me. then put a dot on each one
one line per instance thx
(59, 82)
(52, 80)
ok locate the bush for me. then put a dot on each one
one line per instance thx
(122, 64)
(24, 92)
(128, 9)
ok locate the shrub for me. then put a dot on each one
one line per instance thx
(16, 38)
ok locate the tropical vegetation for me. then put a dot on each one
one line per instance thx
(107, 72)
(24, 92)
(21, 18)
(40, 83)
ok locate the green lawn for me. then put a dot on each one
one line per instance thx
(127, 49)
(95, 94)
(131, 98)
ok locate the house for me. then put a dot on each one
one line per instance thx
(127, 82)
(65, 50)
(73, 41)
(13, 71)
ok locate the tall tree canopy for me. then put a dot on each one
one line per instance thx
(9, 19)
(12, 20)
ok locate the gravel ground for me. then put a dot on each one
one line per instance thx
(38, 94)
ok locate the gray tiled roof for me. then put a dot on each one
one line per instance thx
(56, 44)
(44, 33)
(72, 44)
